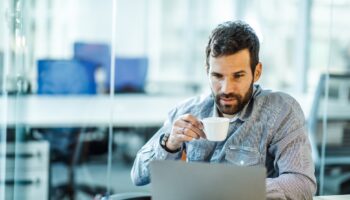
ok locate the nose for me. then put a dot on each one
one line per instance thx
(227, 86)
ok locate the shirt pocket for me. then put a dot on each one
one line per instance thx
(243, 155)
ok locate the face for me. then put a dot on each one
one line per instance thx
(231, 81)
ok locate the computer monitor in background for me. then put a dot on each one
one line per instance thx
(66, 77)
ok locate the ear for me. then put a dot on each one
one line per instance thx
(257, 72)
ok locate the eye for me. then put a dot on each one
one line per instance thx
(215, 75)
(237, 76)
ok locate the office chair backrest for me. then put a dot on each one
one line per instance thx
(66, 77)
(338, 117)
(130, 74)
(99, 53)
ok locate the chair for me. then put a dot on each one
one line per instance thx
(99, 53)
(67, 77)
(337, 159)
(130, 77)
(130, 72)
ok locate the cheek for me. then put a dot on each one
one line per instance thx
(215, 84)
(242, 87)
(245, 89)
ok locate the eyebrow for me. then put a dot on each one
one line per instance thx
(215, 73)
(234, 73)
(239, 72)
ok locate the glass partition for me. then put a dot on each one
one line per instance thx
(14, 88)
(85, 83)
(330, 123)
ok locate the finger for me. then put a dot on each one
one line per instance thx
(193, 120)
(196, 129)
(184, 137)
(190, 130)
(182, 130)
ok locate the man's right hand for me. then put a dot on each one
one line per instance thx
(185, 128)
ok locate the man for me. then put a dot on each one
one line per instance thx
(266, 128)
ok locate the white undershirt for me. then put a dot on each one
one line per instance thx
(229, 116)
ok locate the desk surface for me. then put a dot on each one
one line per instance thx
(55, 111)
(335, 197)
(94, 110)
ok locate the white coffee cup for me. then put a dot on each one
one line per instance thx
(216, 128)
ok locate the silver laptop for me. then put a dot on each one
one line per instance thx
(174, 180)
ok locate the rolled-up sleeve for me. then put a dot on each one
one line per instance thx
(152, 150)
(293, 161)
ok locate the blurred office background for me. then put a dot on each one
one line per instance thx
(71, 123)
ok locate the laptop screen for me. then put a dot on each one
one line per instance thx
(173, 180)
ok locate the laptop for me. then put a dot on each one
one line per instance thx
(174, 180)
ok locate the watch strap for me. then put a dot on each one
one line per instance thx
(163, 140)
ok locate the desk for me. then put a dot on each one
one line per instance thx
(94, 110)
(335, 197)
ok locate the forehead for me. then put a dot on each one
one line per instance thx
(232, 63)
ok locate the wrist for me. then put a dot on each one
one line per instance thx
(168, 146)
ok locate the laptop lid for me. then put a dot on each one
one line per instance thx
(173, 180)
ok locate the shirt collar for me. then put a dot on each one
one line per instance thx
(244, 114)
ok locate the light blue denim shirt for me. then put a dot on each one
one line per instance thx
(270, 131)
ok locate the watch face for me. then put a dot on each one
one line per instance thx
(164, 139)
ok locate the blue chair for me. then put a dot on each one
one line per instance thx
(94, 52)
(98, 53)
(67, 77)
(130, 72)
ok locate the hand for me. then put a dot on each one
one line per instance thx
(185, 128)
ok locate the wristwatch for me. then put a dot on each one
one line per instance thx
(163, 140)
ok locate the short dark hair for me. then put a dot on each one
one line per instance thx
(229, 38)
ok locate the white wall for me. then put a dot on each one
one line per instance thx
(91, 21)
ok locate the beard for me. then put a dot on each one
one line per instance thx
(235, 108)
